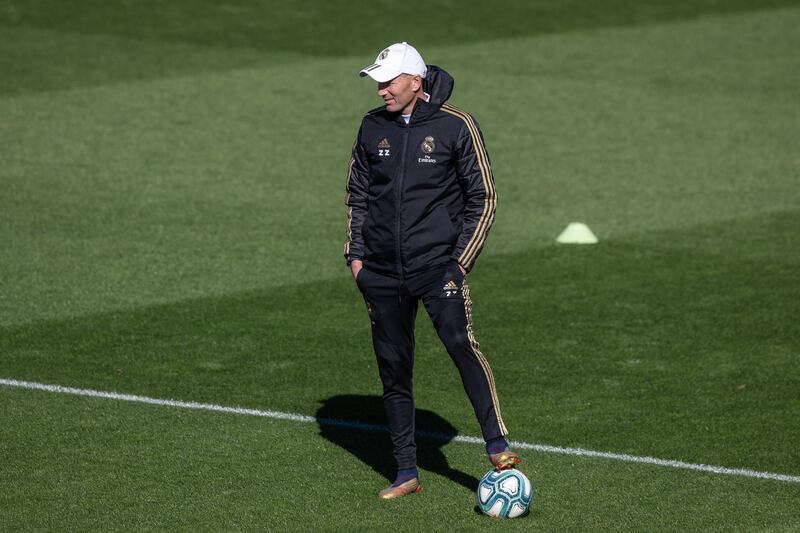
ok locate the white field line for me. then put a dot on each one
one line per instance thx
(580, 452)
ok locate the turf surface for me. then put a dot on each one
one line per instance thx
(172, 223)
(166, 469)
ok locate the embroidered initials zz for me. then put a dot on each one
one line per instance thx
(383, 152)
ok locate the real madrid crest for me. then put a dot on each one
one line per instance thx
(428, 145)
(384, 54)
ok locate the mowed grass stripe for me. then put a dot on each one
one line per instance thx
(274, 25)
(58, 389)
(195, 195)
(178, 215)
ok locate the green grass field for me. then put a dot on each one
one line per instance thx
(172, 221)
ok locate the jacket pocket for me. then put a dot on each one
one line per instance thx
(360, 277)
(442, 221)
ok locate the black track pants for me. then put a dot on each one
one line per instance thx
(392, 306)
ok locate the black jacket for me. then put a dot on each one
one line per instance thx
(419, 195)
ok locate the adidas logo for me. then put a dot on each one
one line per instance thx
(384, 143)
(451, 289)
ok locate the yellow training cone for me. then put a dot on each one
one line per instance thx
(577, 233)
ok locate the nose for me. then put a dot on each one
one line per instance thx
(382, 91)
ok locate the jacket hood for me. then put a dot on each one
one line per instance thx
(439, 84)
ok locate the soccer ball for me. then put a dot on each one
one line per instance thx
(505, 494)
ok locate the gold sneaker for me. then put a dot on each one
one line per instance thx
(409, 487)
(505, 459)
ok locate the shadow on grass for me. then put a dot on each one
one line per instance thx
(356, 423)
(655, 333)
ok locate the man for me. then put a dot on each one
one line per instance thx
(421, 200)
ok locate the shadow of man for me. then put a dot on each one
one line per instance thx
(357, 424)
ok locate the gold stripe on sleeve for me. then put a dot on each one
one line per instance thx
(490, 199)
(347, 203)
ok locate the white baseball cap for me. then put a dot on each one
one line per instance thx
(399, 58)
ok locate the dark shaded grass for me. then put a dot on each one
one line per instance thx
(55, 45)
(317, 29)
(682, 345)
(681, 340)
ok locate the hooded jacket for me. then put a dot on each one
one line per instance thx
(419, 195)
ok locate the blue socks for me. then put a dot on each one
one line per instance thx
(405, 474)
(496, 445)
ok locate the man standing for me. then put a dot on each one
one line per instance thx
(421, 200)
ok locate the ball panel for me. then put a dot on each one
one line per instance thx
(484, 493)
(510, 485)
(505, 494)
(517, 509)
(497, 509)
(526, 489)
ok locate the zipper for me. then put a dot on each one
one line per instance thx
(399, 200)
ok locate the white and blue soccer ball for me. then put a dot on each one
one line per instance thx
(505, 494)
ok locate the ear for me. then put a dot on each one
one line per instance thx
(416, 83)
